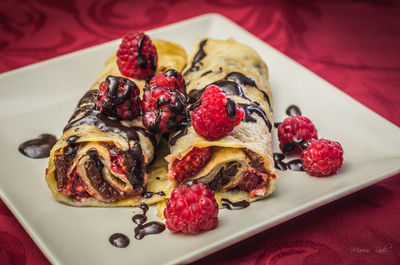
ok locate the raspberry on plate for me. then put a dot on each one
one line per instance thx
(322, 158)
(191, 163)
(294, 131)
(217, 115)
(137, 56)
(191, 209)
(170, 78)
(163, 109)
(119, 98)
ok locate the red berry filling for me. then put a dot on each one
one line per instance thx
(191, 209)
(191, 163)
(75, 187)
(216, 115)
(117, 163)
(250, 181)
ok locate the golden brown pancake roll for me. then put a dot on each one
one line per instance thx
(101, 161)
(242, 161)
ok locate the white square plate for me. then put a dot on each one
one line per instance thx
(40, 98)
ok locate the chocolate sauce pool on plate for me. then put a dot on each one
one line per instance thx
(39, 147)
(143, 229)
(234, 205)
(119, 240)
(293, 110)
(294, 165)
(148, 229)
(149, 194)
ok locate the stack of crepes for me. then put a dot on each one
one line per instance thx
(82, 167)
(243, 76)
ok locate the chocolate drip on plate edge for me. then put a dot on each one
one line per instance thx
(119, 240)
(39, 147)
(143, 229)
(234, 205)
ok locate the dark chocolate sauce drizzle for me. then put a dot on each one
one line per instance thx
(113, 98)
(197, 58)
(105, 124)
(279, 164)
(39, 147)
(246, 81)
(139, 219)
(190, 182)
(171, 72)
(288, 147)
(293, 110)
(249, 109)
(295, 164)
(230, 108)
(143, 229)
(194, 95)
(119, 240)
(71, 148)
(177, 109)
(152, 62)
(231, 88)
(93, 116)
(94, 173)
(206, 73)
(234, 205)
(96, 118)
(149, 194)
(148, 229)
(240, 79)
(141, 59)
(183, 131)
(291, 146)
(148, 134)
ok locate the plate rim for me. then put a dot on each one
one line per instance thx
(243, 234)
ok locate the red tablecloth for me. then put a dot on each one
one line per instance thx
(352, 44)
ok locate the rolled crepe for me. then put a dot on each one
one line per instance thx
(243, 76)
(100, 161)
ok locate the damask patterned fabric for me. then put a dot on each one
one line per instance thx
(352, 44)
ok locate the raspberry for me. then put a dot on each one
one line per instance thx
(191, 209)
(250, 181)
(322, 158)
(294, 131)
(191, 163)
(137, 56)
(163, 109)
(217, 114)
(119, 97)
(170, 78)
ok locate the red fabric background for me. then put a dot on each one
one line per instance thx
(352, 44)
